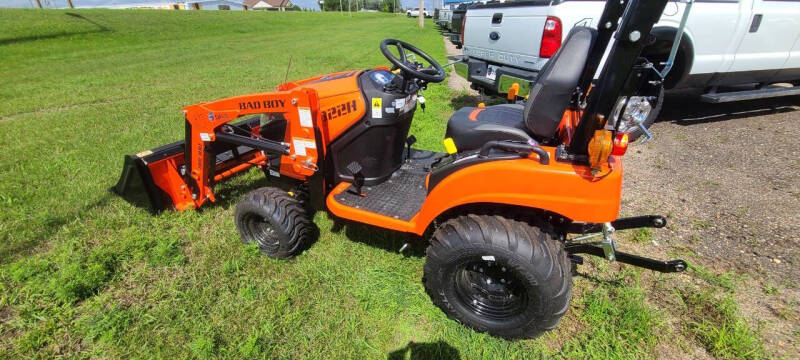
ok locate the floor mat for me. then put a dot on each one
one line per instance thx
(402, 195)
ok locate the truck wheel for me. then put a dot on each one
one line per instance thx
(633, 130)
(277, 222)
(498, 275)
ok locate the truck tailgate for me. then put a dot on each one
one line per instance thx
(517, 35)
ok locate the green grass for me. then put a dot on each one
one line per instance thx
(83, 274)
(720, 329)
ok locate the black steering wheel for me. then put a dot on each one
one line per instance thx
(434, 73)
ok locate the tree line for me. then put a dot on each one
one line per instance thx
(355, 5)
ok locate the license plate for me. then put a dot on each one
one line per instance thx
(491, 72)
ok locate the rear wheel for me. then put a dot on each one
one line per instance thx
(275, 221)
(498, 275)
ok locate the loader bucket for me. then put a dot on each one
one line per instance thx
(156, 179)
(136, 184)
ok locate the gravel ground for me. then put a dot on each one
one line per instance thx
(726, 176)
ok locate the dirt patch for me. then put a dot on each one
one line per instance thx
(455, 81)
(726, 175)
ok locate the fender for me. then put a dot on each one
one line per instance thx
(566, 189)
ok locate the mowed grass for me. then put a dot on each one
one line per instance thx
(84, 274)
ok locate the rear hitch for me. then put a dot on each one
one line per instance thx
(669, 266)
(606, 247)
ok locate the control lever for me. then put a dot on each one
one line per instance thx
(358, 178)
(410, 141)
(646, 134)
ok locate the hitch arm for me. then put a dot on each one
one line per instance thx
(652, 221)
(630, 259)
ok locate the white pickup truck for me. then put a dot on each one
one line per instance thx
(726, 43)
(415, 12)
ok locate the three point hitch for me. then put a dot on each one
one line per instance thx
(596, 240)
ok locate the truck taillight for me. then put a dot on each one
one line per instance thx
(551, 37)
(463, 26)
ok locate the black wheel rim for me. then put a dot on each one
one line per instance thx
(490, 289)
(261, 230)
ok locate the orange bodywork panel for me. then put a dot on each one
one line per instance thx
(572, 191)
(340, 101)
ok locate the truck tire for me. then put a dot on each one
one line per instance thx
(498, 275)
(633, 130)
(277, 222)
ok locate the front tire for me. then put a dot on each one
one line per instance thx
(498, 275)
(274, 220)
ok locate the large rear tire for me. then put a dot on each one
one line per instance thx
(274, 220)
(499, 275)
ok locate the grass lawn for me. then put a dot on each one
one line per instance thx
(84, 274)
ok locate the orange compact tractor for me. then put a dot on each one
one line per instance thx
(521, 191)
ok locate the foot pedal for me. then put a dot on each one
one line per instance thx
(410, 141)
(358, 178)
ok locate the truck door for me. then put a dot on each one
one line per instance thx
(771, 32)
(791, 70)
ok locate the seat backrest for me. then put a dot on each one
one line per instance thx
(553, 89)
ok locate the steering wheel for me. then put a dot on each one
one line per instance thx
(434, 73)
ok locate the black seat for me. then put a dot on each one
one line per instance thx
(538, 119)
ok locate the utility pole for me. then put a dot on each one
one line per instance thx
(421, 14)
(69, 2)
(39, 3)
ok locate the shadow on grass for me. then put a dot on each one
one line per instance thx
(388, 240)
(467, 100)
(100, 28)
(687, 109)
(464, 100)
(439, 350)
(10, 252)
(596, 280)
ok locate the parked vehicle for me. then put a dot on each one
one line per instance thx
(457, 24)
(750, 43)
(445, 16)
(415, 12)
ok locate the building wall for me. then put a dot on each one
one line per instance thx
(214, 5)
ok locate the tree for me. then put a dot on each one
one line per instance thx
(388, 6)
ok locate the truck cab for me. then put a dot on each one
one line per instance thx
(726, 43)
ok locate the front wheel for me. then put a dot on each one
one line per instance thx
(498, 275)
(275, 221)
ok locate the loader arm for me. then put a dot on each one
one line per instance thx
(204, 125)
(217, 146)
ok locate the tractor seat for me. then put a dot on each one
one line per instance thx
(538, 119)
